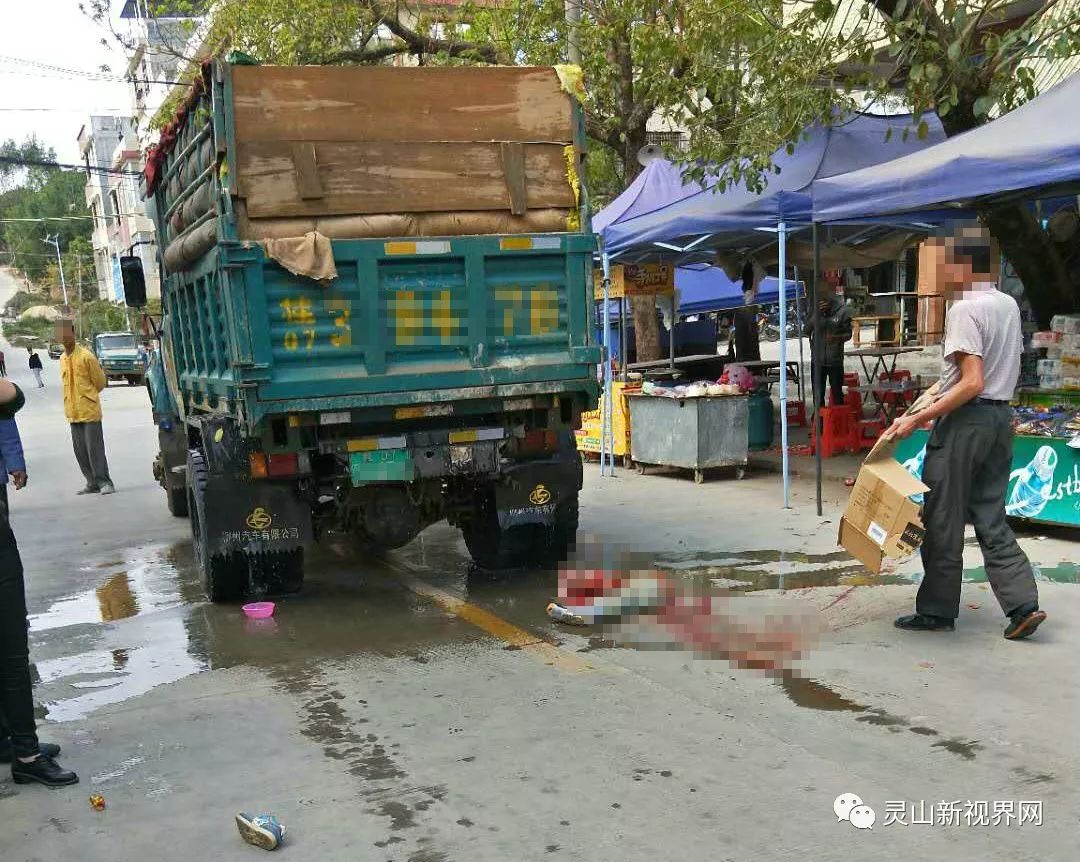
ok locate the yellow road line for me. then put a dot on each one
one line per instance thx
(494, 625)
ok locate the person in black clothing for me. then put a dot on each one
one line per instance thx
(35, 366)
(744, 321)
(827, 358)
(30, 759)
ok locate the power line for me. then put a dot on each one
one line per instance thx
(104, 218)
(95, 111)
(83, 73)
(34, 163)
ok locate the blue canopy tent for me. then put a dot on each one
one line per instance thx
(729, 219)
(659, 184)
(737, 217)
(1031, 152)
(704, 289)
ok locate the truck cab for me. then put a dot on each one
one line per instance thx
(120, 356)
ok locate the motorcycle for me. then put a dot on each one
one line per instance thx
(769, 324)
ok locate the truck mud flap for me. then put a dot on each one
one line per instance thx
(254, 517)
(531, 493)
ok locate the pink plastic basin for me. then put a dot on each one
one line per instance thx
(258, 610)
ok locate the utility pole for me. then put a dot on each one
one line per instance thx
(79, 297)
(55, 242)
(573, 32)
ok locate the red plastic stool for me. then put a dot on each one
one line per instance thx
(901, 376)
(796, 413)
(868, 431)
(839, 432)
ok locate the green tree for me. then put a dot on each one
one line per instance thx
(969, 60)
(24, 164)
(720, 69)
(43, 200)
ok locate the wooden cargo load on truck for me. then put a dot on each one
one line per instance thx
(372, 152)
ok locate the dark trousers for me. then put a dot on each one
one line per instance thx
(89, 442)
(834, 374)
(16, 696)
(968, 460)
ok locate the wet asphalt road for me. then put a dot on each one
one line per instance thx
(380, 718)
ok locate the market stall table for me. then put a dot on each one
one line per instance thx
(892, 397)
(762, 367)
(884, 360)
(705, 366)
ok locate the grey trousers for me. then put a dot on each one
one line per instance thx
(89, 443)
(968, 461)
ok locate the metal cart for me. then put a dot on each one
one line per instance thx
(696, 434)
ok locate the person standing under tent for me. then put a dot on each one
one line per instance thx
(827, 358)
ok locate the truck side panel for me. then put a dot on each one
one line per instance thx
(471, 313)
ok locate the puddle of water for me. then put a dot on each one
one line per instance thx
(148, 584)
(811, 694)
(148, 625)
(750, 571)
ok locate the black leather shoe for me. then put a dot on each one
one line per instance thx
(44, 770)
(1023, 623)
(924, 623)
(49, 749)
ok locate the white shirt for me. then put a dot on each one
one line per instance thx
(985, 322)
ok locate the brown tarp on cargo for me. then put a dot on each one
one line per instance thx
(310, 255)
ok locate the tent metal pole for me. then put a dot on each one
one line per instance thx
(783, 364)
(671, 336)
(814, 362)
(605, 412)
(622, 339)
(799, 329)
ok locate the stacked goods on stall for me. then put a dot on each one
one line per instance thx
(1061, 367)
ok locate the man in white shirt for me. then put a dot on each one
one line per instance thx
(969, 453)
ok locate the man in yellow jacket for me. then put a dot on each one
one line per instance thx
(83, 381)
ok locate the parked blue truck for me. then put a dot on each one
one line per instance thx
(376, 288)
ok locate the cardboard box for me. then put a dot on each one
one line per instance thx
(881, 520)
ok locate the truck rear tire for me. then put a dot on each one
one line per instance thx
(527, 545)
(177, 497)
(225, 575)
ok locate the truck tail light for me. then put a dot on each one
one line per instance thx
(279, 466)
(257, 463)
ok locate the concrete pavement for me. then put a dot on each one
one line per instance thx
(380, 725)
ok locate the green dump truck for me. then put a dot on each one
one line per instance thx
(120, 356)
(376, 285)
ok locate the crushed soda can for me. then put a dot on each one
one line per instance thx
(97, 802)
(563, 615)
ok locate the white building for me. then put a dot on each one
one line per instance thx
(131, 231)
(164, 41)
(98, 140)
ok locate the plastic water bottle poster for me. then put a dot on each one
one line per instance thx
(1044, 481)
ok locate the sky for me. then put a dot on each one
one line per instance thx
(56, 33)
